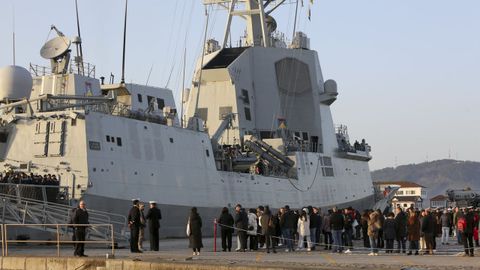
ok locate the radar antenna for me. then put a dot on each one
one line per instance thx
(57, 50)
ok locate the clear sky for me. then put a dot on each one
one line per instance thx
(407, 70)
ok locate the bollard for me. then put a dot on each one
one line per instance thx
(215, 235)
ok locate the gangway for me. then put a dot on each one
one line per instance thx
(19, 209)
(267, 152)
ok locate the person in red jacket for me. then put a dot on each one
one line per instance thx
(476, 219)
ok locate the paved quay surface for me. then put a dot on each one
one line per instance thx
(176, 251)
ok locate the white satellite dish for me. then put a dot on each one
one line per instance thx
(55, 47)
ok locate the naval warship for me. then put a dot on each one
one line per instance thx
(257, 129)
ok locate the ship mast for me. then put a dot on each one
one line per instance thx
(253, 11)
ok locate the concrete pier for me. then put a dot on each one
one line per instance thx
(174, 254)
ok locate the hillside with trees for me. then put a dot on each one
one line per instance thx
(437, 176)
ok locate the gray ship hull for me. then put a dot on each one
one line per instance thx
(174, 217)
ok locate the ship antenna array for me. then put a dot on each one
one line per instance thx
(79, 60)
(201, 62)
(13, 34)
(122, 81)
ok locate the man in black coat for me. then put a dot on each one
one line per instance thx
(80, 216)
(154, 215)
(241, 223)
(337, 224)
(428, 228)
(401, 229)
(287, 224)
(226, 229)
(468, 233)
(134, 224)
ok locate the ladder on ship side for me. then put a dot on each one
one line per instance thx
(19, 209)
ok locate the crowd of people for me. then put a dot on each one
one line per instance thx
(29, 179)
(335, 230)
(410, 232)
(28, 185)
(138, 221)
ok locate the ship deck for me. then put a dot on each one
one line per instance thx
(174, 254)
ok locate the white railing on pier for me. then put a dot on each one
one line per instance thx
(108, 240)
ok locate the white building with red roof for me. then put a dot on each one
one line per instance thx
(408, 195)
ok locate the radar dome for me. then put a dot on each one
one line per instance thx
(330, 86)
(15, 83)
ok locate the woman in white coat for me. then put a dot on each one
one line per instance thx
(303, 229)
(252, 229)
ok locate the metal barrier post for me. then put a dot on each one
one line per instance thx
(113, 241)
(3, 239)
(6, 240)
(58, 242)
(215, 235)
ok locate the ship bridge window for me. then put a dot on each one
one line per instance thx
(248, 116)
(223, 112)
(203, 113)
(305, 136)
(140, 98)
(3, 137)
(327, 166)
(266, 135)
(245, 97)
(160, 103)
(150, 100)
(327, 172)
(93, 145)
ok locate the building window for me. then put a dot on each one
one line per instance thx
(140, 98)
(113, 139)
(160, 103)
(119, 141)
(400, 192)
(247, 114)
(108, 138)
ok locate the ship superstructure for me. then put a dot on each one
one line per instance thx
(257, 130)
